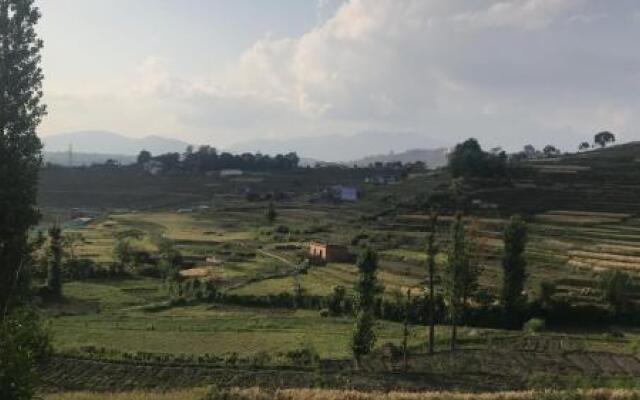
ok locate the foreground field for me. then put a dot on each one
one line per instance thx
(257, 394)
(111, 314)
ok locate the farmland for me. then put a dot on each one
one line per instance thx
(269, 305)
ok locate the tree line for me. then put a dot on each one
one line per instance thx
(206, 159)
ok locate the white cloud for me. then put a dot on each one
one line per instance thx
(508, 72)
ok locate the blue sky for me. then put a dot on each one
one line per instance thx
(92, 40)
(509, 72)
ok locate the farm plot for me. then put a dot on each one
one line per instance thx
(580, 218)
(321, 280)
(117, 320)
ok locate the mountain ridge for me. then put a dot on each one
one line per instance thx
(106, 142)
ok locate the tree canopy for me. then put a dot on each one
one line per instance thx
(20, 148)
(604, 138)
(469, 160)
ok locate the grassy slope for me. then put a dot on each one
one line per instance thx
(198, 329)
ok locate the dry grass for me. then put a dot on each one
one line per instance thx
(316, 394)
(633, 260)
(577, 220)
(599, 265)
(590, 214)
(619, 249)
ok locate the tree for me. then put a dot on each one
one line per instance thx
(124, 255)
(469, 160)
(616, 288)
(144, 157)
(544, 295)
(24, 343)
(54, 262)
(367, 288)
(477, 246)
(514, 267)
(405, 330)
(20, 149)
(584, 146)
(529, 151)
(336, 300)
(604, 138)
(432, 252)
(272, 214)
(455, 275)
(550, 151)
(70, 241)
(21, 112)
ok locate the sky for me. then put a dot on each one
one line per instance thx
(221, 72)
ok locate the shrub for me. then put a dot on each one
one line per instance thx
(534, 325)
(283, 229)
(23, 344)
(304, 356)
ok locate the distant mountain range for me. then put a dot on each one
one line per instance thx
(80, 159)
(342, 148)
(102, 142)
(433, 158)
(97, 146)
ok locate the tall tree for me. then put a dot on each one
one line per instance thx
(367, 288)
(54, 261)
(124, 256)
(20, 149)
(456, 275)
(514, 267)
(271, 214)
(616, 288)
(477, 246)
(432, 253)
(405, 330)
(22, 338)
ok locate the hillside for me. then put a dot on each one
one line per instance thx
(103, 142)
(80, 159)
(433, 158)
(604, 180)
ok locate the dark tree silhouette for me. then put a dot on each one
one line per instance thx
(432, 252)
(20, 149)
(604, 138)
(469, 160)
(366, 289)
(54, 261)
(144, 157)
(514, 267)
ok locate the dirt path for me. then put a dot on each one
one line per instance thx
(277, 257)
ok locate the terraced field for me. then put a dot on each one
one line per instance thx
(506, 364)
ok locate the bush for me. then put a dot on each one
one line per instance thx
(151, 271)
(23, 344)
(283, 229)
(305, 356)
(534, 325)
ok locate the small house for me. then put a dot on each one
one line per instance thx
(325, 252)
(344, 193)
